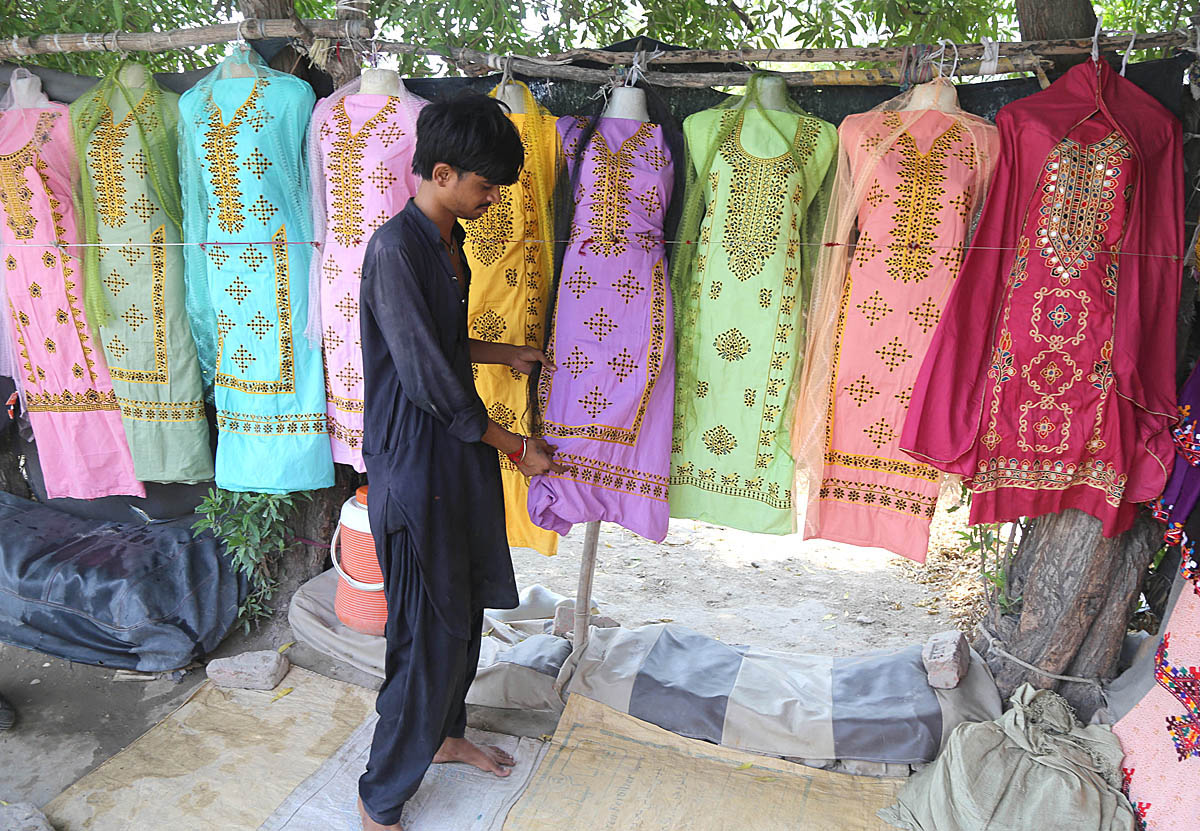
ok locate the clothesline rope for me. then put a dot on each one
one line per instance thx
(747, 243)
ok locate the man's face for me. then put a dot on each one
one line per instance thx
(469, 195)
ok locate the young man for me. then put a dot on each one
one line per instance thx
(436, 507)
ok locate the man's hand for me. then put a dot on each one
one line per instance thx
(524, 358)
(539, 458)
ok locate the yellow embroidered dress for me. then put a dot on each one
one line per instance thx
(511, 259)
(131, 217)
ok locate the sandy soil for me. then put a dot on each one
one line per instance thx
(771, 592)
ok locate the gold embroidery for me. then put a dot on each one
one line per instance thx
(757, 192)
(732, 345)
(158, 311)
(220, 151)
(15, 195)
(161, 410)
(287, 367)
(750, 488)
(613, 477)
(72, 402)
(719, 440)
(105, 152)
(919, 200)
(654, 363)
(346, 172)
(273, 425)
(612, 175)
(913, 503)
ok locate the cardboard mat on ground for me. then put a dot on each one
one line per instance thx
(226, 759)
(607, 771)
(451, 797)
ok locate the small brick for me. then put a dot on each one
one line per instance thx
(947, 657)
(250, 670)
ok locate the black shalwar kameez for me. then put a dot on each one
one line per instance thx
(436, 506)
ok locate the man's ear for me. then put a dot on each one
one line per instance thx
(443, 174)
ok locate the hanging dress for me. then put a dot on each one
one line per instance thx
(131, 215)
(608, 409)
(246, 196)
(512, 261)
(765, 196)
(360, 158)
(1050, 380)
(909, 185)
(61, 371)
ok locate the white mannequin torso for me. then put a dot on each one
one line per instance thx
(773, 94)
(27, 92)
(133, 76)
(627, 102)
(511, 96)
(937, 94)
(380, 82)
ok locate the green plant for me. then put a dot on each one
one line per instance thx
(995, 555)
(254, 529)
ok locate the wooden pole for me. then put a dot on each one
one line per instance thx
(1045, 48)
(583, 595)
(251, 29)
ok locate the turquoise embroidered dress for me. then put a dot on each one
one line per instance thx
(245, 188)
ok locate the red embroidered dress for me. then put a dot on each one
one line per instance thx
(1050, 382)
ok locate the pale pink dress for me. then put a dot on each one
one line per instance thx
(61, 369)
(363, 166)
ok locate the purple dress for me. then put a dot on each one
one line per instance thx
(609, 408)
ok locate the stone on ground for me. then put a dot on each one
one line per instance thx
(249, 671)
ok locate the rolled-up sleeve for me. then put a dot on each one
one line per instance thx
(398, 308)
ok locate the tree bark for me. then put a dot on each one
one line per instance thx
(1077, 591)
(1055, 19)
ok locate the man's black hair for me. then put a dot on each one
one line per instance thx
(471, 133)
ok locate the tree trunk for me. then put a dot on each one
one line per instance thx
(1055, 19)
(1077, 591)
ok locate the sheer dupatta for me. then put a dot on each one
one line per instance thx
(855, 175)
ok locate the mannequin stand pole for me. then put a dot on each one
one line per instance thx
(583, 595)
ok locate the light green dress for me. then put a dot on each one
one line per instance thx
(742, 335)
(135, 277)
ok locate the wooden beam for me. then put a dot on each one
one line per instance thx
(253, 29)
(966, 51)
(481, 63)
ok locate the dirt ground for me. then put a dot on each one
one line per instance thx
(772, 592)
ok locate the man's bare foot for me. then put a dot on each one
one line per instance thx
(369, 824)
(489, 758)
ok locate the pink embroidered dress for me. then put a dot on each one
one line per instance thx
(360, 156)
(60, 367)
(909, 184)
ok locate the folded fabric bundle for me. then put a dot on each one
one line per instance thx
(1033, 766)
